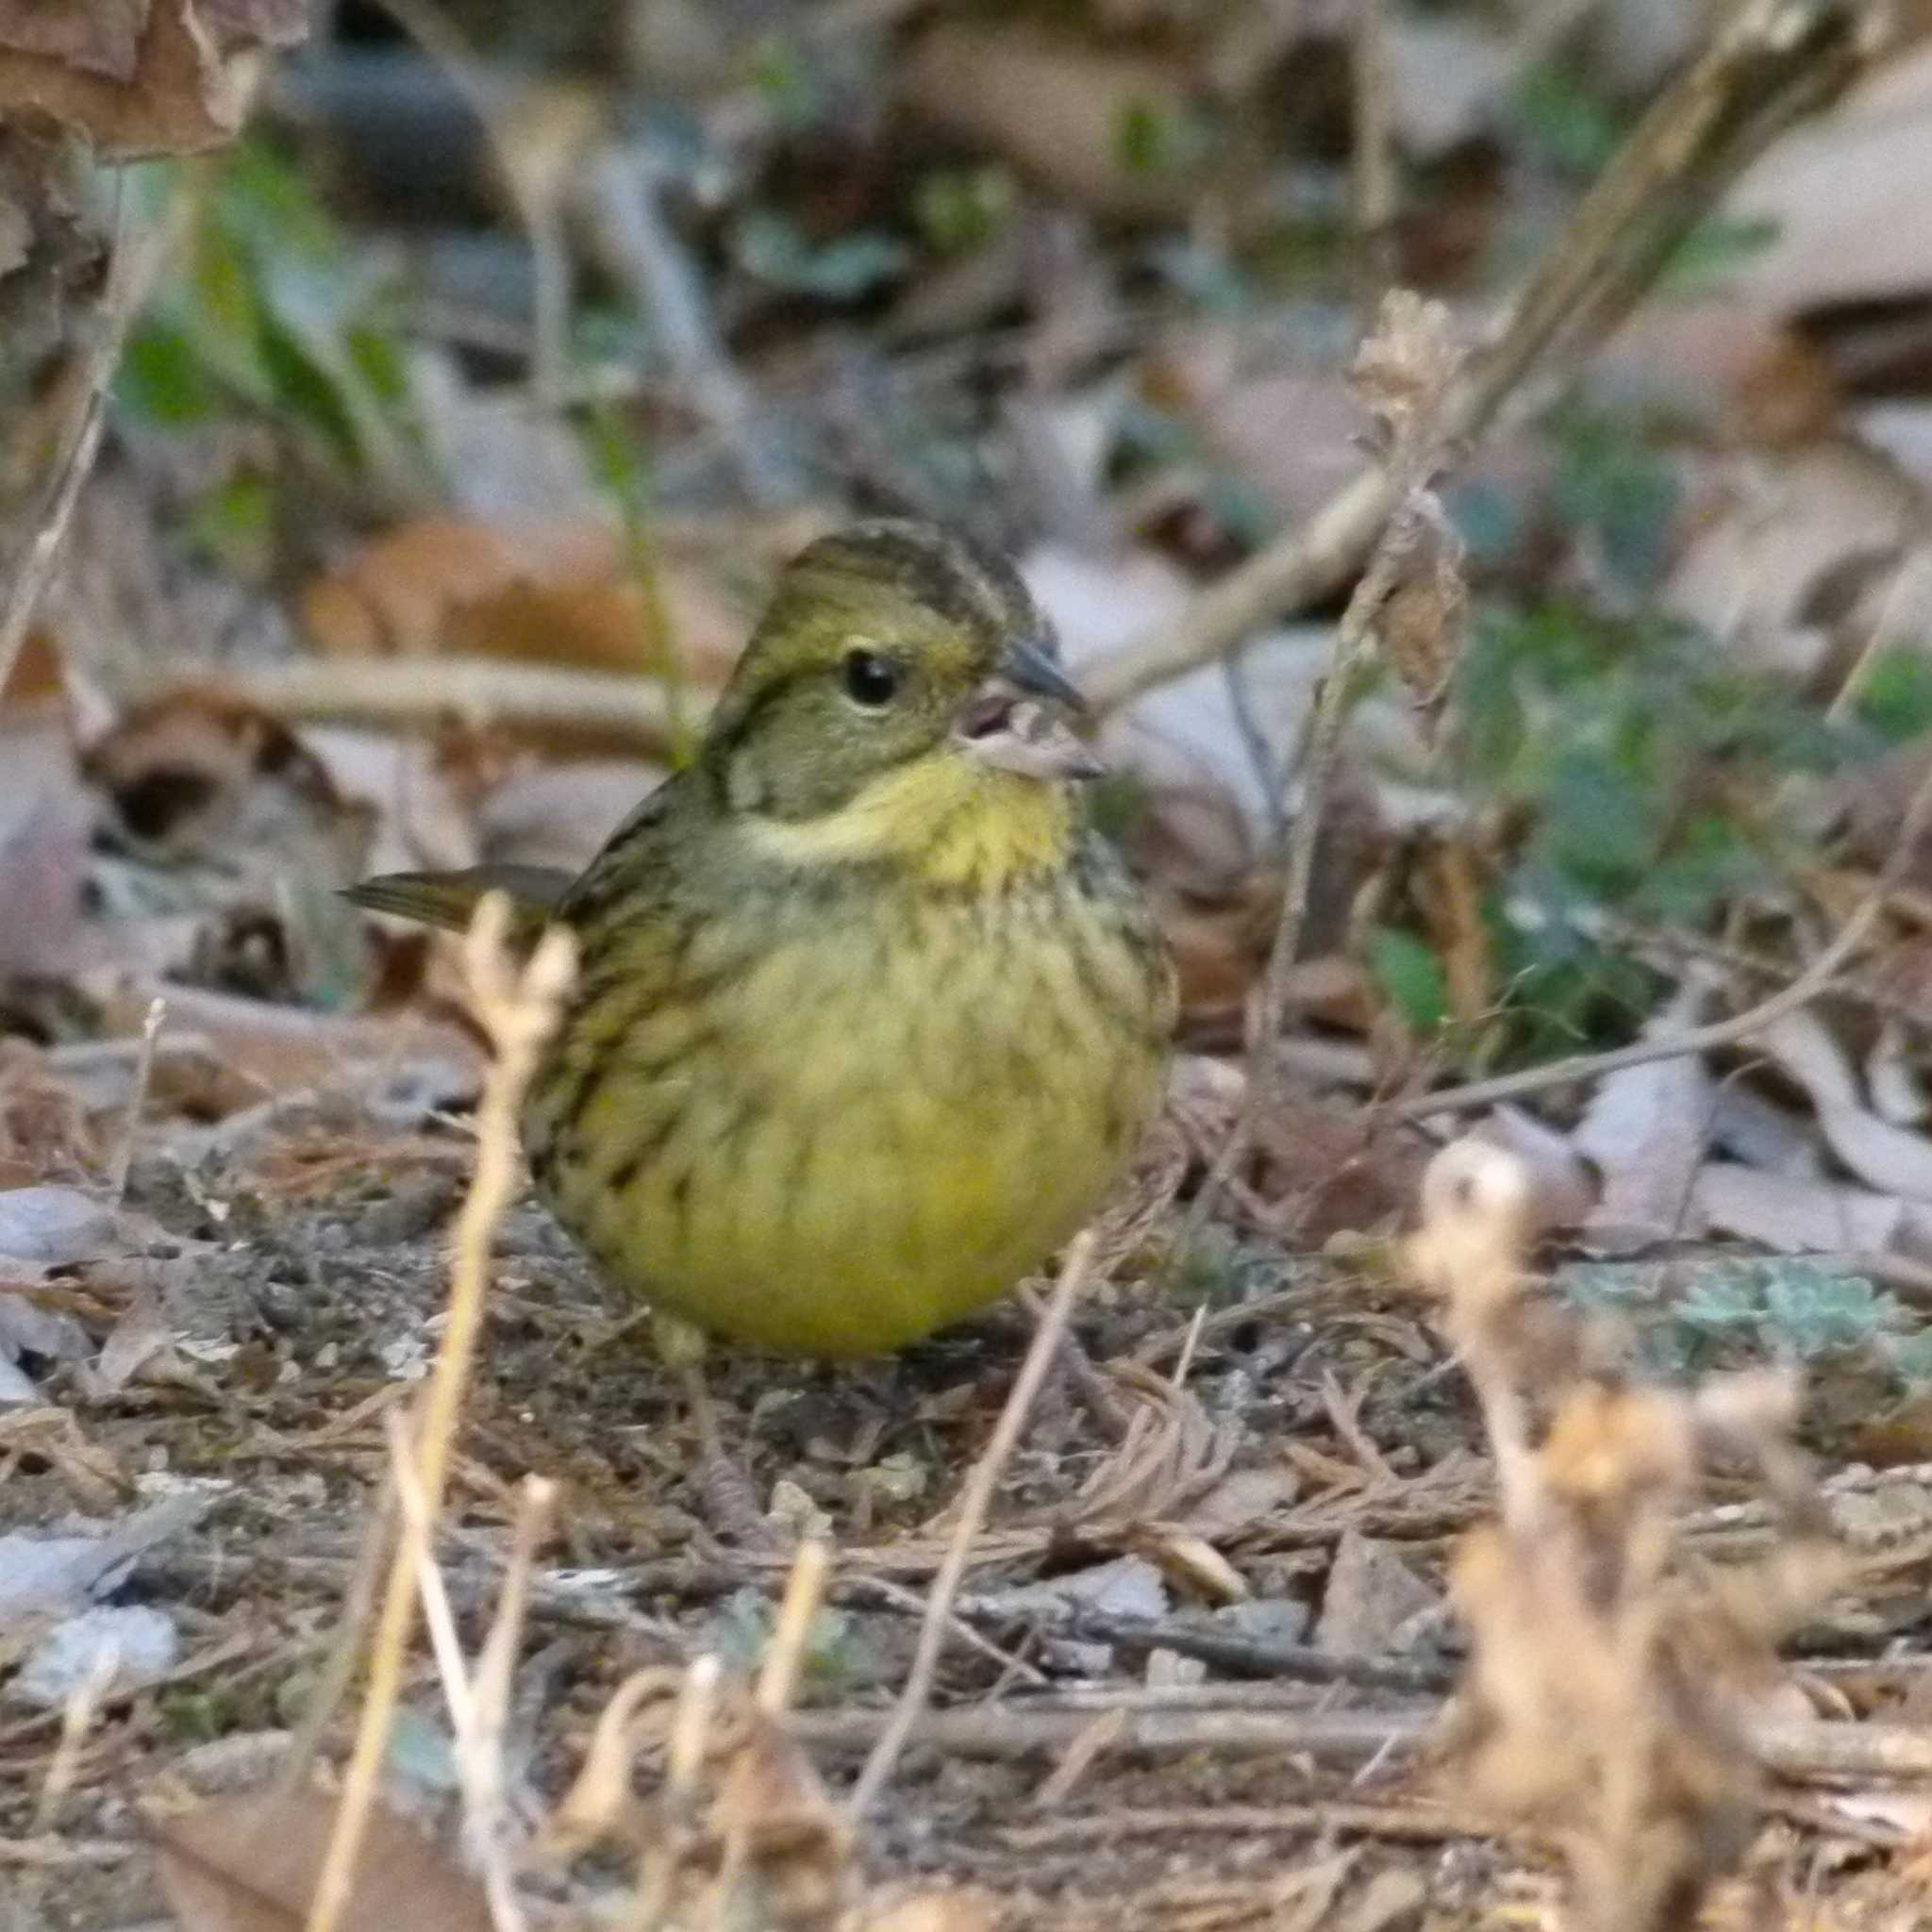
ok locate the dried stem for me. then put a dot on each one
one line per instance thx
(1795, 1749)
(624, 187)
(1372, 179)
(518, 1012)
(537, 204)
(805, 1590)
(596, 705)
(973, 1505)
(1405, 374)
(1769, 64)
(666, 1848)
(496, 1660)
(137, 1099)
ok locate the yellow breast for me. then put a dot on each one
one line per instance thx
(868, 1124)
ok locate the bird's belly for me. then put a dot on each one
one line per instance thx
(860, 1157)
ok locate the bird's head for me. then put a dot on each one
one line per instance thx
(898, 674)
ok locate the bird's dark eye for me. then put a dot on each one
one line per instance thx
(870, 679)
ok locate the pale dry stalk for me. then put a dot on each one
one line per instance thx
(137, 1101)
(667, 1848)
(477, 1776)
(1373, 178)
(1768, 63)
(517, 1010)
(805, 1590)
(496, 1660)
(600, 706)
(1405, 373)
(975, 1503)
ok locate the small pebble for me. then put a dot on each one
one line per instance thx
(144, 1641)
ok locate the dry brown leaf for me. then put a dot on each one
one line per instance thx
(552, 592)
(1374, 1599)
(1335, 1171)
(98, 1481)
(181, 83)
(250, 1865)
(1192, 1562)
(45, 1131)
(103, 38)
(201, 774)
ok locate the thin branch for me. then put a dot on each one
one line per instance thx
(137, 1099)
(518, 1012)
(589, 705)
(534, 193)
(1793, 1748)
(1772, 62)
(1373, 177)
(973, 1503)
(1405, 373)
(478, 1776)
(623, 189)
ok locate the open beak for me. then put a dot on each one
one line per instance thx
(1004, 724)
(1027, 667)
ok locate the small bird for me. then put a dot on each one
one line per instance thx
(868, 1016)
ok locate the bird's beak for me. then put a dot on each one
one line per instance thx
(1003, 724)
(1027, 667)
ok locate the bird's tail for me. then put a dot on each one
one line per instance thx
(450, 898)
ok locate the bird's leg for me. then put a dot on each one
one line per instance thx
(725, 1481)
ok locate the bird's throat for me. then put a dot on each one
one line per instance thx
(945, 820)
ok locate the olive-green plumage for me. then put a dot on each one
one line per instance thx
(868, 1017)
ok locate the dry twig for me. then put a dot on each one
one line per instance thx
(1770, 63)
(518, 1010)
(974, 1501)
(1405, 373)
(596, 705)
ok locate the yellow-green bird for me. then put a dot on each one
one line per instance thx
(868, 1016)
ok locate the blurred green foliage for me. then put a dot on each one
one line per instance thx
(1565, 121)
(1411, 976)
(1788, 1307)
(1895, 701)
(277, 315)
(1632, 770)
(773, 246)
